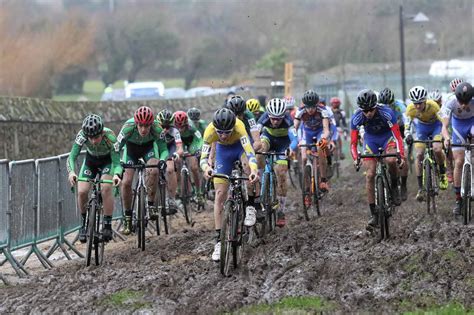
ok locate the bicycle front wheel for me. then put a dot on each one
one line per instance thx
(306, 189)
(466, 199)
(99, 244)
(428, 181)
(226, 238)
(141, 218)
(90, 231)
(381, 207)
(186, 184)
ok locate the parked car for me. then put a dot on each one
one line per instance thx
(145, 90)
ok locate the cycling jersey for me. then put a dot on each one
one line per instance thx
(428, 115)
(237, 139)
(462, 120)
(279, 138)
(379, 131)
(192, 139)
(332, 123)
(130, 135)
(104, 152)
(249, 122)
(339, 117)
(312, 122)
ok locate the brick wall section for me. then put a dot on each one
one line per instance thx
(36, 128)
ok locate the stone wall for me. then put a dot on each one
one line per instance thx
(36, 128)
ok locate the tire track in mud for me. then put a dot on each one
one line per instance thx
(428, 260)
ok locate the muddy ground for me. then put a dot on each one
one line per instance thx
(428, 261)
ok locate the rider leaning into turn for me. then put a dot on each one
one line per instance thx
(232, 144)
(460, 113)
(140, 138)
(427, 125)
(192, 142)
(315, 125)
(102, 158)
(276, 125)
(380, 131)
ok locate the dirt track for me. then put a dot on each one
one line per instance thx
(429, 260)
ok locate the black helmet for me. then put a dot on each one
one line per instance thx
(194, 113)
(92, 125)
(366, 99)
(224, 119)
(310, 98)
(236, 104)
(464, 92)
(386, 96)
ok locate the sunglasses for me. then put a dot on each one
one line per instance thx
(224, 132)
(368, 110)
(276, 118)
(95, 137)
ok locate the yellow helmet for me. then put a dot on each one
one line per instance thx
(253, 105)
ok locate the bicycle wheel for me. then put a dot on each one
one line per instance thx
(90, 231)
(238, 232)
(466, 199)
(273, 194)
(316, 192)
(141, 218)
(381, 207)
(226, 238)
(185, 185)
(99, 244)
(164, 215)
(306, 189)
(434, 185)
(428, 184)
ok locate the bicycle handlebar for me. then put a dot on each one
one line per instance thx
(271, 153)
(427, 141)
(377, 156)
(229, 177)
(463, 145)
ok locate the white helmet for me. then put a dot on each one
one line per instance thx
(435, 95)
(418, 94)
(290, 102)
(276, 108)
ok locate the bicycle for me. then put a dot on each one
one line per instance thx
(294, 170)
(383, 191)
(268, 193)
(94, 221)
(430, 174)
(312, 194)
(140, 198)
(233, 229)
(467, 181)
(186, 189)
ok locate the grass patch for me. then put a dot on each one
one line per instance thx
(452, 308)
(126, 299)
(290, 304)
(413, 264)
(450, 254)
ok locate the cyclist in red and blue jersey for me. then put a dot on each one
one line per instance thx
(380, 131)
(315, 125)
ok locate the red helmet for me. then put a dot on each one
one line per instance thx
(335, 101)
(144, 116)
(180, 119)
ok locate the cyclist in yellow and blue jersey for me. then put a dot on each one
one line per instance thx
(232, 144)
(276, 126)
(425, 115)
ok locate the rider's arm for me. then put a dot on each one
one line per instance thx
(162, 149)
(293, 138)
(354, 141)
(398, 138)
(409, 115)
(325, 134)
(114, 154)
(197, 142)
(75, 151)
(245, 141)
(445, 128)
(209, 137)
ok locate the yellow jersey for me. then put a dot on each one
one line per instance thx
(429, 115)
(238, 134)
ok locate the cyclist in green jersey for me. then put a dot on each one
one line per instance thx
(140, 138)
(194, 115)
(102, 158)
(192, 142)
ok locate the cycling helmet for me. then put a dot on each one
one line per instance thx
(366, 99)
(322, 100)
(435, 95)
(165, 118)
(194, 113)
(144, 116)
(236, 104)
(310, 98)
(289, 102)
(92, 125)
(224, 119)
(454, 83)
(180, 119)
(335, 101)
(418, 94)
(386, 96)
(276, 108)
(464, 92)
(253, 105)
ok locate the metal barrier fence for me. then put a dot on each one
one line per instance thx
(4, 192)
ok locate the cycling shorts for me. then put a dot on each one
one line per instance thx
(226, 155)
(461, 129)
(94, 165)
(308, 135)
(373, 143)
(425, 131)
(133, 152)
(277, 144)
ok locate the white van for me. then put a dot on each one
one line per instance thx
(145, 90)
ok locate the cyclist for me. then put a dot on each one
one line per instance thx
(102, 158)
(173, 141)
(387, 98)
(140, 138)
(253, 106)
(380, 131)
(290, 103)
(315, 124)
(427, 124)
(436, 96)
(452, 85)
(237, 104)
(192, 142)
(276, 125)
(460, 112)
(194, 115)
(232, 141)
